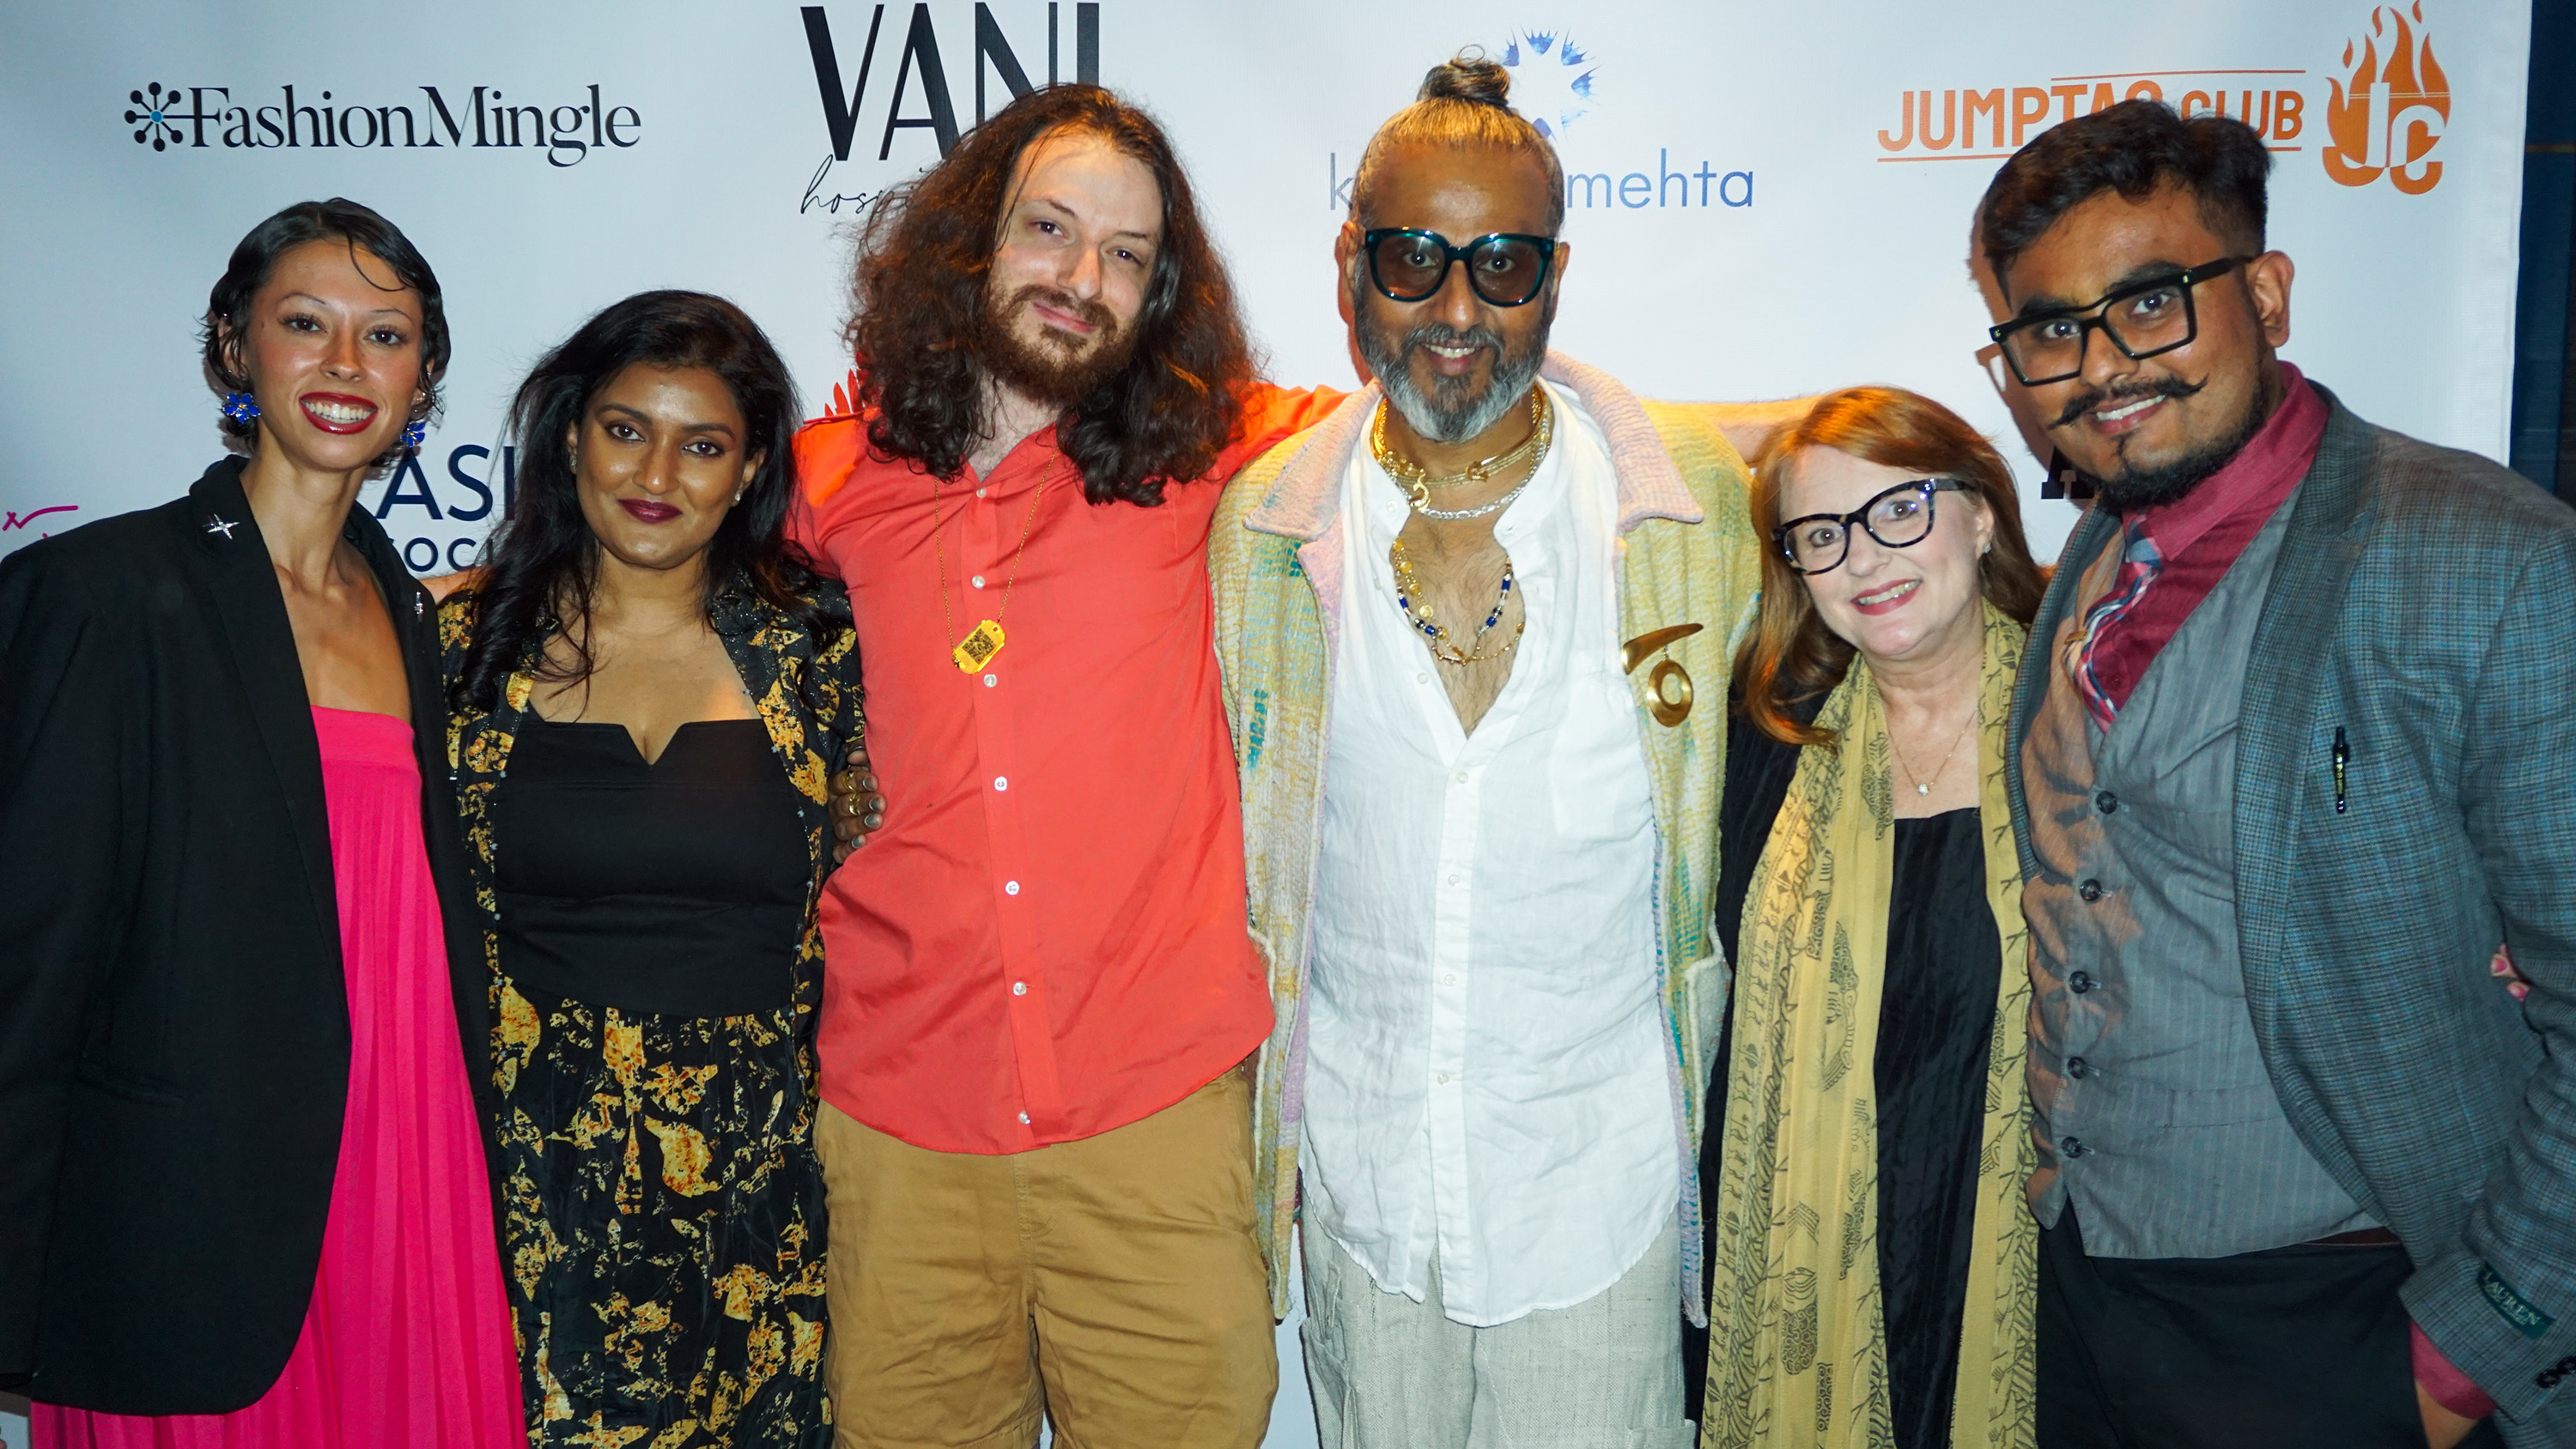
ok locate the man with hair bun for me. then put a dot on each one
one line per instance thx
(2287, 761)
(1461, 622)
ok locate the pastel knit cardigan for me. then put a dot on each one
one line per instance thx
(1277, 560)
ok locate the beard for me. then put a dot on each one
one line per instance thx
(1455, 409)
(1057, 369)
(2139, 486)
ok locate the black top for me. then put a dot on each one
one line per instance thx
(675, 888)
(174, 1023)
(1936, 1016)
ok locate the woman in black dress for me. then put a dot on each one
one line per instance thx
(649, 690)
(1869, 1255)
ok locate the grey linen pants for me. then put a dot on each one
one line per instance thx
(1390, 1373)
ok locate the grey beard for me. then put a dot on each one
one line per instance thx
(1452, 415)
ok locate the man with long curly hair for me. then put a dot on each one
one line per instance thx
(1039, 986)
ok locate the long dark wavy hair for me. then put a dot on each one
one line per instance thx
(924, 260)
(540, 568)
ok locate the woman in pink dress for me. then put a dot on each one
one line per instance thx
(247, 1201)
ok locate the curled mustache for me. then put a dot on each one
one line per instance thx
(2093, 400)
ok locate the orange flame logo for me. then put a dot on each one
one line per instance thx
(2391, 114)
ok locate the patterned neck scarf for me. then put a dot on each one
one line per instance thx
(2140, 562)
(1797, 1336)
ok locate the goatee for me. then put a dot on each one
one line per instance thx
(2135, 486)
(1455, 410)
(1056, 369)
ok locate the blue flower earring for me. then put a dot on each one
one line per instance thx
(240, 407)
(413, 435)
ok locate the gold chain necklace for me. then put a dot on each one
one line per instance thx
(1408, 587)
(1417, 480)
(984, 640)
(1923, 786)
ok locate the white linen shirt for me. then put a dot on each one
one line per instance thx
(1485, 1071)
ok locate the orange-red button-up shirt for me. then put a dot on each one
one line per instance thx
(1047, 940)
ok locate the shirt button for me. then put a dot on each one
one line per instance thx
(1001, 782)
(2078, 1068)
(1449, 979)
(977, 581)
(1010, 887)
(1454, 877)
(990, 681)
(1444, 1079)
(2090, 890)
(980, 493)
(1422, 679)
(2080, 982)
(2106, 802)
(1024, 1119)
(1462, 777)
(2071, 1146)
(1019, 988)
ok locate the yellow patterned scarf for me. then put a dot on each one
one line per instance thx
(1797, 1337)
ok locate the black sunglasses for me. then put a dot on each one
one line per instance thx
(1507, 269)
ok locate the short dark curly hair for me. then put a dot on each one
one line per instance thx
(2132, 148)
(338, 219)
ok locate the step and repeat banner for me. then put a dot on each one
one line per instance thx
(1763, 200)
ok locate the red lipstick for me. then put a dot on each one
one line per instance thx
(645, 510)
(337, 412)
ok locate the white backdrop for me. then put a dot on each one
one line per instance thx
(1764, 199)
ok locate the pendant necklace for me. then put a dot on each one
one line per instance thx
(984, 640)
(1923, 786)
(1419, 485)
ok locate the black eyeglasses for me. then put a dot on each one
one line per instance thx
(1901, 517)
(1506, 268)
(2141, 319)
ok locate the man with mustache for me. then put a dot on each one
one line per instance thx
(1038, 987)
(1460, 622)
(2289, 758)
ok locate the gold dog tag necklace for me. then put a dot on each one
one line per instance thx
(984, 640)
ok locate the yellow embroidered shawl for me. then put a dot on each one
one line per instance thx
(1797, 1347)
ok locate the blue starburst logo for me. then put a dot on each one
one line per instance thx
(1551, 79)
(151, 118)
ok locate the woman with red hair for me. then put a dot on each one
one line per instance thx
(1870, 1258)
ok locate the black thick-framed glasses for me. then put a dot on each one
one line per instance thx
(2142, 319)
(1900, 517)
(1409, 265)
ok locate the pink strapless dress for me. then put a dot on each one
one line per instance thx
(407, 1343)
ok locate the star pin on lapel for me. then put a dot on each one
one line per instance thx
(224, 526)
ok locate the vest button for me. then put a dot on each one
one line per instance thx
(2080, 982)
(2071, 1146)
(2078, 1068)
(2090, 890)
(2106, 802)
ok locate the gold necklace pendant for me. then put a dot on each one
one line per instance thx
(978, 647)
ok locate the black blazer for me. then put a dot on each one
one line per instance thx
(174, 1026)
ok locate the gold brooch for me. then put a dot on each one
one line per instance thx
(1668, 685)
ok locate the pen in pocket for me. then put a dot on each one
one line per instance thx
(2342, 756)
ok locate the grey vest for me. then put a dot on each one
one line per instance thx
(2156, 1116)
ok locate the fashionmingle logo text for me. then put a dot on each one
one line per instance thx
(175, 118)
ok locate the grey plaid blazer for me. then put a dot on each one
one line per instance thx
(2425, 606)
